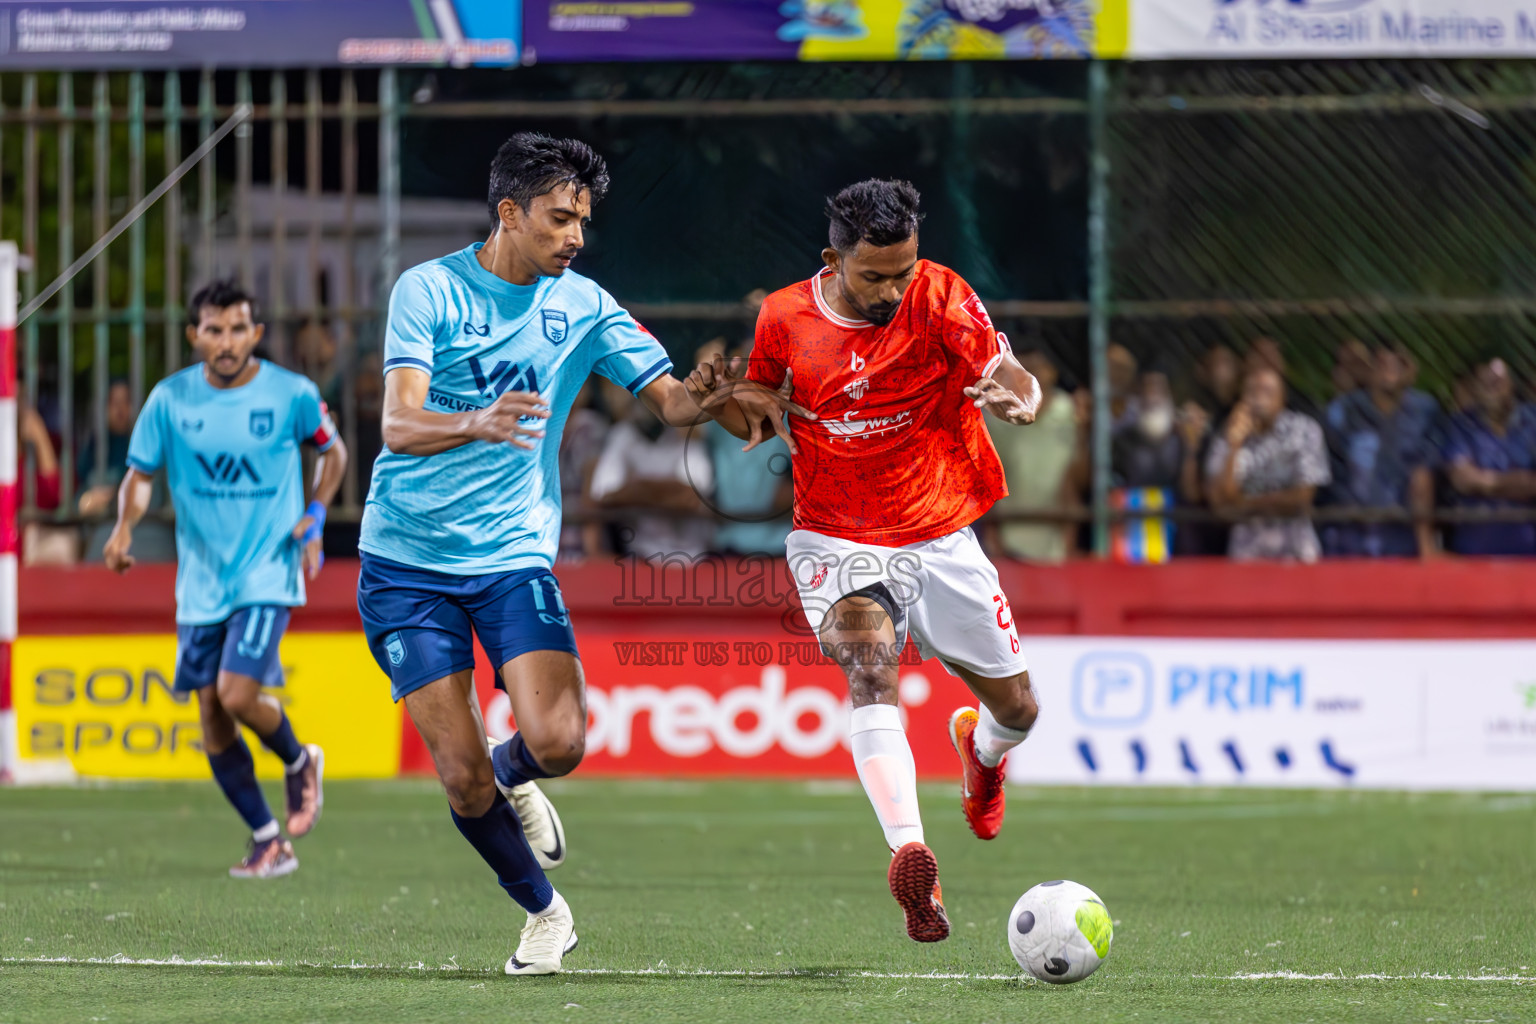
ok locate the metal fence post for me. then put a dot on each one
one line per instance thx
(389, 184)
(1099, 297)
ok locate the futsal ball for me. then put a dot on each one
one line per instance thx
(1060, 932)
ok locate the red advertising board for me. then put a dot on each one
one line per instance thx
(747, 703)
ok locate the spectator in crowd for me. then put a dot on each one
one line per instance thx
(154, 540)
(580, 445)
(647, 465)
(33, 434)
(1039, 462)
(1382, 439)
(1263, 471)
(368, 402)
(1218, 382)
(314, 349)
(1353, 367)
(1145, 462)
(1490, 463)
(753, 490)
(1124, 405)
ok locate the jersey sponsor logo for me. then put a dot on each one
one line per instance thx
(857, 363)
(262, 421)
(483, 331)
(977, 311)
(870, 426)
(502, 376)
(555, 326)
(228, 469)
(857, 389)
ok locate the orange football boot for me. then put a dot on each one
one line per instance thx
(981, 788)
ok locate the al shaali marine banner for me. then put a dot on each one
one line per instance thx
(1163, 29)
(817, 30)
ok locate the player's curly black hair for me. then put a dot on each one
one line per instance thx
(220, 294)
(875, 211)
(529, 165)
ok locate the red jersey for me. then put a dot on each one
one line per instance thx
(899, 454)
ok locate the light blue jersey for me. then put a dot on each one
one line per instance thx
(483, 507)
(232, 460)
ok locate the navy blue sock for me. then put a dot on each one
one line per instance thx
(513, 763)
(236, 775)
(282, 741)
(498, 837)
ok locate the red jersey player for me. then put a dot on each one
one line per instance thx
(895, 357)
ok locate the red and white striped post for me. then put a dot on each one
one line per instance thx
(10, 493)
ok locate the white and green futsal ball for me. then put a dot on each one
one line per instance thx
(1060, 932)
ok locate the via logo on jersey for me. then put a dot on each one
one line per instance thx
(228, 469)
(501, 377)
(556, 326)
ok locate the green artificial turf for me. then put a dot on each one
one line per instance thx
(767, 901)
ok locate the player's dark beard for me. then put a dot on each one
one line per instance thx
(228, 377)
(882, 314)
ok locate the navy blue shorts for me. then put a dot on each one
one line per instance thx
(245, 644)
(420, 622)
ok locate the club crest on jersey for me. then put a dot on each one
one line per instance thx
(555, 325)
(977, 311)
(261, 422)
(857, 389)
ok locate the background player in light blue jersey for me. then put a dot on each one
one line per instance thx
(484, 353)
(228, 432)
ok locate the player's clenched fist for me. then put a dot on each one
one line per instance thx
(501, 421)
(115, 553)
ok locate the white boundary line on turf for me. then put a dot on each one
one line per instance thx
(1424, 976)
(121, 960)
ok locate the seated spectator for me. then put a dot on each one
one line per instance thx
(1146, 457)
(1218, 386)
(314, 349)
(1038, 461)
(1265, 352)
(1264, 470)
(1123, 403)
(753, 490)
(1382, 441)
(42, 543)
(646, 464)
(581, 442)
(1218, 382)
(154, 540)
(1490, 462)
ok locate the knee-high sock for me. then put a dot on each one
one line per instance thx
(285, 745)
(884, 761)
(993, 740)
(236, 775)
(513, 763)
(497, 836)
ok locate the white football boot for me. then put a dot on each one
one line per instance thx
(541, 822)
(545, 940)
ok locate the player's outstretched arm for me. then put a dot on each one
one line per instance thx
(747, 409)
(410, 429)
(132, 503)
(1011, 393)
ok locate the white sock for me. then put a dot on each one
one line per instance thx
(555, 904)
(266, 833)
(993, 740)
(886, 769)
(298, 766)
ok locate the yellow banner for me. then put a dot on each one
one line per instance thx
(106, 704)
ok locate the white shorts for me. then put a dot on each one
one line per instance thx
(945, 594)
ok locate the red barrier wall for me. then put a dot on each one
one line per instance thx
(1359, 599)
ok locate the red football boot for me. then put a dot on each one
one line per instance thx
(914, 878)
(981, 788)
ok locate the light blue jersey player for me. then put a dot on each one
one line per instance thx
(228, 433)
(484, 353)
